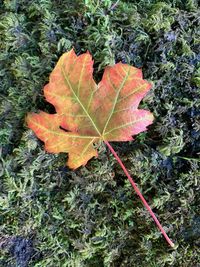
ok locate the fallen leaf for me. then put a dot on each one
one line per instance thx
(87, 112)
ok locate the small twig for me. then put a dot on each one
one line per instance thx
(114, 5)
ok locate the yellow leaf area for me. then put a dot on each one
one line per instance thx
(87, 112)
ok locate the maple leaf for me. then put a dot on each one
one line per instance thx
(87, 112)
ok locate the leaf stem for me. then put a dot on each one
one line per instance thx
(140, 195)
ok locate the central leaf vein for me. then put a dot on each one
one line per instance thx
(78, 100)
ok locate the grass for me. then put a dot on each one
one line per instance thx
(52, 216)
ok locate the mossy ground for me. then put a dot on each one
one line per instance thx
(52, 216)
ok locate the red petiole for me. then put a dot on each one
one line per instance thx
(140, 195)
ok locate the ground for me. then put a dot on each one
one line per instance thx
(53, 216)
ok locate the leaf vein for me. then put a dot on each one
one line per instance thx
(88, 115)
(125, 125)
(115, 102)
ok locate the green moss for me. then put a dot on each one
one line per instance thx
(52, 216)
